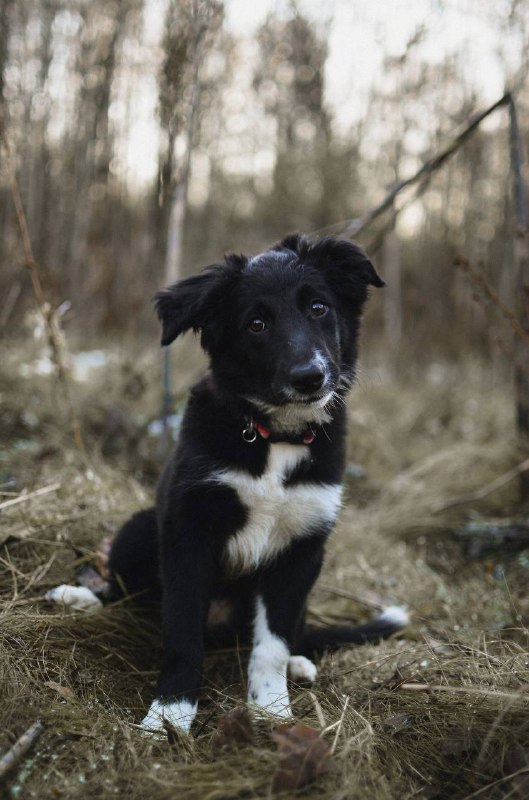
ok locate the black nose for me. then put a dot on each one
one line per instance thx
(307, 378)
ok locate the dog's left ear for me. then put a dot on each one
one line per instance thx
(297, 242)
(346, 262)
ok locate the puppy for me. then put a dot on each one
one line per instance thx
(247, 501)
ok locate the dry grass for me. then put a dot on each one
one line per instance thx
(89, 678)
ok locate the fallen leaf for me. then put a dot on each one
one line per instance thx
(303, 756)
(234, 730)
(64, 691)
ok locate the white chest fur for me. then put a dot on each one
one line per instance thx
(277, 514)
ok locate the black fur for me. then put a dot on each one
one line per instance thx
(309, 297)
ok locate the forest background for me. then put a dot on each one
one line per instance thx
(148, 137)
(151, 137)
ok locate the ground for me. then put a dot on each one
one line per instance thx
(438, 711)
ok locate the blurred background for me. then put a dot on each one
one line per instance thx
(151, 136)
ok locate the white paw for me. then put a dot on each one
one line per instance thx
(179, 714)
(77, 597)
(302, 670)
(268, 693)
(278, 708)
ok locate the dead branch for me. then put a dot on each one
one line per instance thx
(480, 280)
(52, 324)
(29, 495)
(480, 494)
(477, 690)
(354, 227)
(15, 754)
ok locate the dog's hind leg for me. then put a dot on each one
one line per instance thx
(133, 561)
(133, 567)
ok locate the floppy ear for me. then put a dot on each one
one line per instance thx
(297, 242)
(348, 263)
(191, 302)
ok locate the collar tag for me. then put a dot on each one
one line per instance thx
(249, 433)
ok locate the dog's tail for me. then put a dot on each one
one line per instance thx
(315, 641)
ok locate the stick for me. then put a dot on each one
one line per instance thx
(15, 755)
(427, 687)
(339, 728)
(23, 497)
(51, 321)
(486, 490)
(480, 280)
(372, 605)
(354, 227)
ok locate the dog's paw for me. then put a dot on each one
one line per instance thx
(278, 708)
(302, 670)
(78, 598)
(268, 694)
(178, 713)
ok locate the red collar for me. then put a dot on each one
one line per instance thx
(265, 433)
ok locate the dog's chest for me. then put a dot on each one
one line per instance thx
(276, 513)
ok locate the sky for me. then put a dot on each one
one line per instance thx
(360, 33)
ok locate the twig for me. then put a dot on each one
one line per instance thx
(340, 723)
(29, 495)
(318, 709)
(354, 227)
(372, 605)
(480, 280)
(503, 779)
(497, 483)
(15, 755)
(428, 687)
(51, 321)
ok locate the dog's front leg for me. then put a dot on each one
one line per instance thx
(279, 611)
(187, 564)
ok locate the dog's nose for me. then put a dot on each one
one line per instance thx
(307, 378)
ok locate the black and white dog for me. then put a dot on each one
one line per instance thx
(246, 503)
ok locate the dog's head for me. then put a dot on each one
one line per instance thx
(281, 327)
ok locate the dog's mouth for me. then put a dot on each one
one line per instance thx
(319, 400)
(284, 401)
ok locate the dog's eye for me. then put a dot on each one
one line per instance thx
(318, 309)
(256, 325)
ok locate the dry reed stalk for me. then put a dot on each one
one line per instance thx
(29, 495)
(479, 278)
(480, 494)
(52, 323)
(15, 754)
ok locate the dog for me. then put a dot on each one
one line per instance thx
(246, 503)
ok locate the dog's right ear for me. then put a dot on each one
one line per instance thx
(190, 303)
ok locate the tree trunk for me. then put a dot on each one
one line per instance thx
(521, 272)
